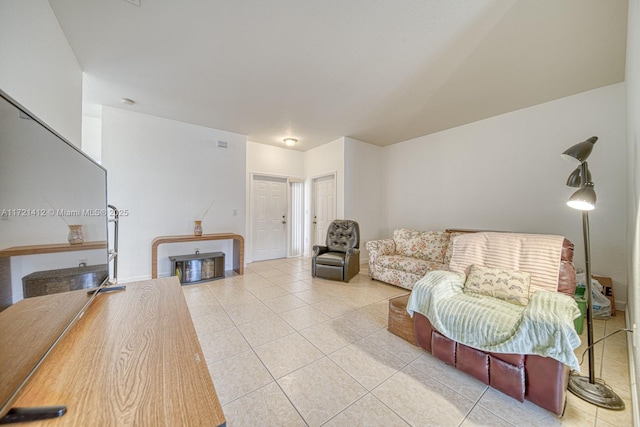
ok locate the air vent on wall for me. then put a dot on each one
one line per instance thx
(134, 2)
(222, 144)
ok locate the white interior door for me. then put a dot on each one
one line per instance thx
(324, 207)
(269, 218)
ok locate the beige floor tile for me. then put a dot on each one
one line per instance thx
(255, 286)
(269, 292)
(367, 363)
(362, 322)
(287, 354)
(223, 344)
(395, 345)
(238, 375)
(213, 322)
(313, 295)
(297, 286)
(380, 309)
(272, 273)
(368, 411)
(320, 391)
(333, 307)
(267, 406)
(330, 336)
(202, 303)
(578, 412)
(617, 418)
(303, 317)
(421, 400)
(525, 413)
(283, 279)
(284, 303)
(464, 384)
(480, 417)
(248, 313)
(265, 330)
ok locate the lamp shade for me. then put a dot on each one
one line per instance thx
(575, 179)
(584, 199)
(581, 151)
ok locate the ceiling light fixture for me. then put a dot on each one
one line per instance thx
(290, 142)
(127, 101)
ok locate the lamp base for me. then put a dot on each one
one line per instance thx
(598, 393)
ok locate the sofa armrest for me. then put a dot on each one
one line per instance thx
(380, 247)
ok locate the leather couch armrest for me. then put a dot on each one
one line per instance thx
(319, 250)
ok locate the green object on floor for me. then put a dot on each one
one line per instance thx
(579, 322)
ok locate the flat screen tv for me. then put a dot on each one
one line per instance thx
(53, 241)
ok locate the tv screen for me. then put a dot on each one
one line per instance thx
(53, 241)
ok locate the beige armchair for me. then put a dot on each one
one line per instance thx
(339, 259)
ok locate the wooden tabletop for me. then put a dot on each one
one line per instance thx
(133, 359)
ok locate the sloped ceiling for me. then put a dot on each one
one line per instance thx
(376, 70)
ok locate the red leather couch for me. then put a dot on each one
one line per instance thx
(541, 380)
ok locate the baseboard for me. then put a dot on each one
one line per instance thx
(632, 377)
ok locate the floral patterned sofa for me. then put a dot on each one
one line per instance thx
(409, 255)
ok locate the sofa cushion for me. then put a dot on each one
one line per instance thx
(508, 285)
(425, 245)
(410, 265)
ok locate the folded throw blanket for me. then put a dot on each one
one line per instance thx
(544, 327)
(537, 254)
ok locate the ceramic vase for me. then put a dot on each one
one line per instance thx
(197, 228)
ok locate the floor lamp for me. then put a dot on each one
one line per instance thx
(589, 388)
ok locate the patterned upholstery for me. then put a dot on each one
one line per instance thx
(408, 256)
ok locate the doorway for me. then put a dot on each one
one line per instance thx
(269, 217)
(324, 206)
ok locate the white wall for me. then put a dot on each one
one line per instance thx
(363, 200)
(37, 66)
(269, 160)
(166, 173)
(320, 161)
(92, 137)
(633, 177)
(505, 173)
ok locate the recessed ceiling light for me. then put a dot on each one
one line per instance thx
(127, 101)
(290, 142)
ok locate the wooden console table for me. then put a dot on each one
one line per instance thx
(238, 248)
(133, 359)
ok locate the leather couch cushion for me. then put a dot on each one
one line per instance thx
(331, 258)
(342, 235)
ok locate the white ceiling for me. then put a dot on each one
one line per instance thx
(381, 71)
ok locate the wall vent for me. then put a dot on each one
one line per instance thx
(223, 144)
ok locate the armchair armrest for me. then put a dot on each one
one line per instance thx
(319, 250)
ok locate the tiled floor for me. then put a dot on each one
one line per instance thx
(284, 349)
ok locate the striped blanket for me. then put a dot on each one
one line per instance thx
(537, 254)
(544, 327)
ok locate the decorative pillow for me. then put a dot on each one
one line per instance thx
(508, 285)
(426, 245)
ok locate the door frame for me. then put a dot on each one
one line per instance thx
(252, 210)
(312, 202)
